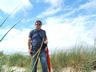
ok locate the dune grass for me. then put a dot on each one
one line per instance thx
(79, 58)
(2, 60)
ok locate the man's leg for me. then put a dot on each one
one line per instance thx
(33, 62)
(43, 59)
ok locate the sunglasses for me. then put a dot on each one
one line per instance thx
(38, 24)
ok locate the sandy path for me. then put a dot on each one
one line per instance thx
(18, 69)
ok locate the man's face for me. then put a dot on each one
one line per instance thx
(38, 25)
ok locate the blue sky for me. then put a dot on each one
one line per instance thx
(67, 23)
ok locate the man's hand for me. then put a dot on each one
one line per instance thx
(29, 44)
(46, 42)
(30, 52)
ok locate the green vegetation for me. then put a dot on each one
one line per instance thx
(79, 58)
(18, 60)
(2, 60)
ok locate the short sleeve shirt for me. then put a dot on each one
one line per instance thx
(37, 37)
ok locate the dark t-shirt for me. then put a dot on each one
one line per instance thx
(37, 37)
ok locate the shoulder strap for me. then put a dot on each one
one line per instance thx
(44, 45)
(40, 35)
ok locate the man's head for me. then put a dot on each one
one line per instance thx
(38, 24)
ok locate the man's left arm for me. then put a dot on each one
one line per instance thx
(46, 40)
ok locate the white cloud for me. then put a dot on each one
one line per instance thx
(88, 5)
(1, 17)
(49, 12)
(55, 3)
(15, 41)
(69, 13)
(67, 33)
(55, 7)
(9, 5)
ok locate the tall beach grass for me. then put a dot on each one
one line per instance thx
(80, 59)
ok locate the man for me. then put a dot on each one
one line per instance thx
(34, 43)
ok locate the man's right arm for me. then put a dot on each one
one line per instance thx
(29, 45)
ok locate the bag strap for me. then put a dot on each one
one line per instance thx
(44, 45)
(40, 36)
